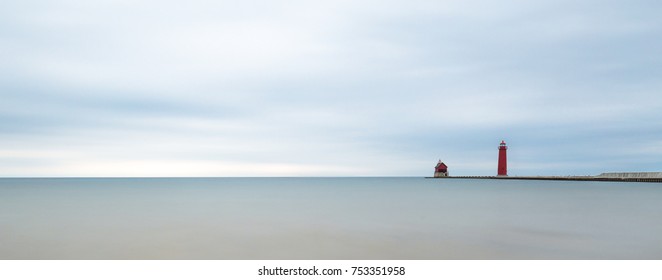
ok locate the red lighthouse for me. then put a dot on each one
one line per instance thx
(503, 165)
(441, 170)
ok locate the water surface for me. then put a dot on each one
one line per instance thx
(328, 218)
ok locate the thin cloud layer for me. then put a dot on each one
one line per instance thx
(345, 88)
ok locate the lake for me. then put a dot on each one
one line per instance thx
(327, 218)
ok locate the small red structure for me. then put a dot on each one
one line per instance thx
(502, 170)
(441, 170)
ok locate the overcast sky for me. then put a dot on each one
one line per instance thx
(329, 88)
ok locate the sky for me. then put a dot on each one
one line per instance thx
(329, 88)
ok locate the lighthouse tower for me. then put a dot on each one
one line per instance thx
(503, 165)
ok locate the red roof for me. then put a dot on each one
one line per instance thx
(441, 166)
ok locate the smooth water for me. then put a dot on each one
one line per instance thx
(328, 218)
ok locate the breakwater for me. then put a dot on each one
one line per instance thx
(564, 178)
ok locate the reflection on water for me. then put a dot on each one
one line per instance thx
(328, 218)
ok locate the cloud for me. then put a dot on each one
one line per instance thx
(263, 88)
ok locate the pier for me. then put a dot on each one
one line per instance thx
(600, 177)
(441, 172)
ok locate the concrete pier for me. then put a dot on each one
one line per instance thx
(626, 177)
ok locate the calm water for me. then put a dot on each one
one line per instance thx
(328, 218)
